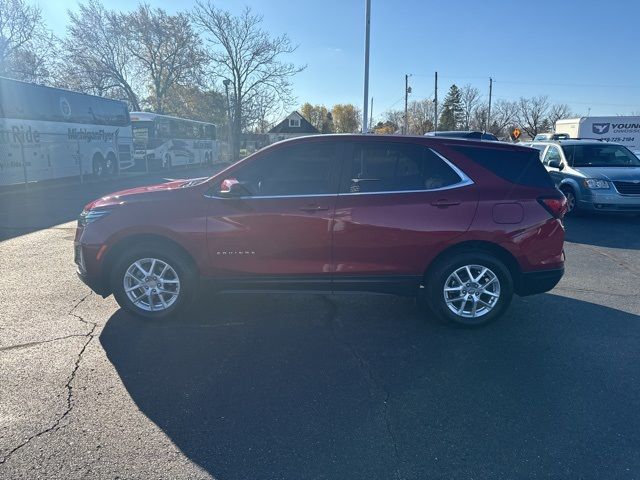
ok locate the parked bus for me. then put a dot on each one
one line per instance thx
(166, 141)
(48, 133)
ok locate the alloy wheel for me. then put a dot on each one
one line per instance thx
(571, 200)
(472, 291)
(151, 284)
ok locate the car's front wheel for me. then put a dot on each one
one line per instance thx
(154, 281)
(469, 289)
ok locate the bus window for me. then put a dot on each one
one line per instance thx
(112, 112)
(162, 128)
(210, 132)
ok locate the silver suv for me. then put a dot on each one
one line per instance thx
(594, 176)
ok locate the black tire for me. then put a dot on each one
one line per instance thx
(572, 200)
(176, 259)
(98, 166)
(446, 266)
(166, 163)
(111, 165)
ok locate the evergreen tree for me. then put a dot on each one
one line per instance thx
(451, 117)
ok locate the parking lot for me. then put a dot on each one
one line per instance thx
(309, 386)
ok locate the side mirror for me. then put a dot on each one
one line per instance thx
(231, 187)
(556, 164)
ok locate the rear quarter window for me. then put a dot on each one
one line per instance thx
(522, 167)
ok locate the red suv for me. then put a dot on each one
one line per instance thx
(467, 223)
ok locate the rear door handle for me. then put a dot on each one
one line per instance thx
(313, 208)
(444, 203)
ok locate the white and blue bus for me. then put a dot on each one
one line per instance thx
(48, 133)
(165, 141)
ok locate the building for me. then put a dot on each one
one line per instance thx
(294, 125)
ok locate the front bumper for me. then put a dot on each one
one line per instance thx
(610, 202)
(538, 281)
(94, 282)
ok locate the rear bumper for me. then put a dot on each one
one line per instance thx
(539, 281)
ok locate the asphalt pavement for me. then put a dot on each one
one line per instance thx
(310, 386)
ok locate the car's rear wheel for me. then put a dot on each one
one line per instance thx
(572, 201)
(111, 165)
(166, 162)
(154, 281)
(98, 166)
(469, 289)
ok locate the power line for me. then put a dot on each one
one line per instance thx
(518, 82)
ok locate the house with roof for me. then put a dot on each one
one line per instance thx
(294, 125)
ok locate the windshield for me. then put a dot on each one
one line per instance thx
(605, 155)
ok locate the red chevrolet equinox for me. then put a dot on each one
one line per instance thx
(465, 223)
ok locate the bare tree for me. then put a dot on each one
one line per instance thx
(248, 56)
(421, 114)
(504, 114)
(478, 119)
(261, 110)
(469, 100)
(166, 48)
(26, 46)
(559, 111)
(533, 114)
(97, 58)
(196, 102)
(394, 117)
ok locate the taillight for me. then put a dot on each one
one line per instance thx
(556, 206)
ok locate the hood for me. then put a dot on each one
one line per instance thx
(137, 193)
(627, 174)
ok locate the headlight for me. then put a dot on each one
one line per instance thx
(90, 216)
(594, 183)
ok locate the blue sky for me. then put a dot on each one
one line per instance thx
(581, 52)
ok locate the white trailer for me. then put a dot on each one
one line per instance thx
(624, 130)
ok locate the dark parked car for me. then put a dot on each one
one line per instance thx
(469, 135)
(467, 223)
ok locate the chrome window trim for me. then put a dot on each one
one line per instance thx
(464, 181)
(249, 197)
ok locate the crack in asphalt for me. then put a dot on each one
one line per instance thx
(69, 387)
(371, 378)
(33, 344)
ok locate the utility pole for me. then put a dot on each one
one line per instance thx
(407, 91)
(435, 120)
(365, 128)
(371, 114)
(486, 128)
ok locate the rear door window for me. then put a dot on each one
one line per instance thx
(521, 166)
(376, 167)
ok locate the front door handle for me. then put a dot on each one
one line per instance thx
(313, 208)
(444, 203)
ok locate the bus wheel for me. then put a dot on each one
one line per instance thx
(166, 162)
(98, 166)
(111, 165)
